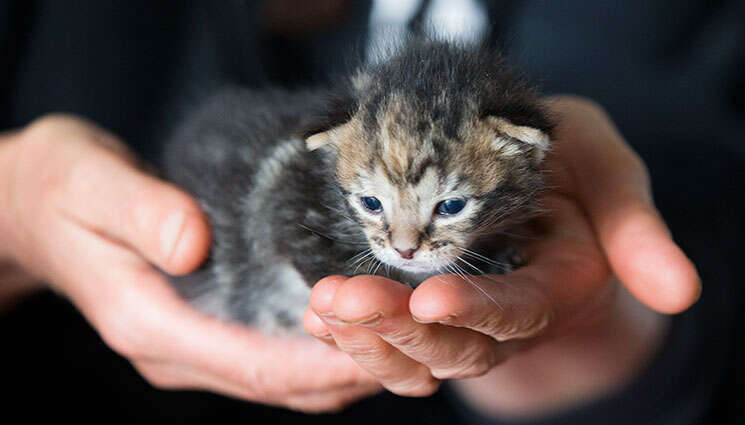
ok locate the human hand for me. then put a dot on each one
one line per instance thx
(77, 212)
(602, 221)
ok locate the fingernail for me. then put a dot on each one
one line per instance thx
(445, 320)
(170, 233)
(420, 320)
(327, 337)
(330, 318)
(369, 321)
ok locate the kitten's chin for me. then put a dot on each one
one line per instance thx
(415, 268)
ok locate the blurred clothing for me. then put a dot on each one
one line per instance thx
(670, 73)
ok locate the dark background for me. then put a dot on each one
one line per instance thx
(670, 73)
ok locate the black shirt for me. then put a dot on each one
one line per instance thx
(671, 73)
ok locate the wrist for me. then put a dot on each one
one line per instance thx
(571, 370)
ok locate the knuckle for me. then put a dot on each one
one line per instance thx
(409, 338)
(256, 381)
(45, 133)
(131, 335)
(51, 128)
(123, 341)
(158, 379)
(417, 387)
(126, 325)
(476, 362)
(517, 324)
(365, 352)
(50, 124)
(81, 179)
(491, 323)
(530, 326)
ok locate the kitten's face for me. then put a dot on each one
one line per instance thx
(421, 196)
(416, 224)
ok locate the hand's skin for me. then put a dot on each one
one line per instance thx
(602, 223)
(77, 213)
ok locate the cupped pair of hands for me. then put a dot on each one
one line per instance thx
(78, 213)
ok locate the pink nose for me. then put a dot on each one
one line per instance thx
(407, 254)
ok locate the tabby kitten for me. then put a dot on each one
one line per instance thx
(414, 166)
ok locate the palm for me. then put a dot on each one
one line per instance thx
(600, 222)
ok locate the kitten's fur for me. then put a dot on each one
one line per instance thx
(281, 174)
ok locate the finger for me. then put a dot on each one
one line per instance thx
(395, 371)
(164, 224)
(265, 366)
(93, 181)
(316, 327)
(173, 376)
(566, 274)
(448, 352)
(330, 401)
(140, 316)
(611, 183)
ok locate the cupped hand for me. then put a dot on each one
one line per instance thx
(601, 228)
(78, 213)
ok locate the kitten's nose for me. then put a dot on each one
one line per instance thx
(407, 254)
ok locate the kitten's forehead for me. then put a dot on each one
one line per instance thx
(408, 140)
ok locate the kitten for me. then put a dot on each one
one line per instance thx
(412, 167)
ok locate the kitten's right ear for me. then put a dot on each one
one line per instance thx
(535, 138)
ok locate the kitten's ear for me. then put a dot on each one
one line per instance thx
(536, 139)
(333, 111)
(332, 136)
(318, 140)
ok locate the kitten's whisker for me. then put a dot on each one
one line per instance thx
(376, 268)
(372, 264)
(359, 255)
(483, 258)
(314, 231)
(361, 260)
(470, 265)
(338, 211)
(367, 260)
(479, 288)
(483, 275)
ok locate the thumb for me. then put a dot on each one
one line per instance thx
(103, 191)
(612, 185)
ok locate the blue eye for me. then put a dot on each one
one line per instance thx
(450, 207)
(372, 204)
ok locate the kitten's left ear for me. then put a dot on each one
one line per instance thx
(318, 140)
(325, 125)
(533, 137)
(332, 136)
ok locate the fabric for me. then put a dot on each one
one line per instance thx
(671, 73)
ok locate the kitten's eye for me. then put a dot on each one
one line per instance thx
(372, 204)
(450, 207)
